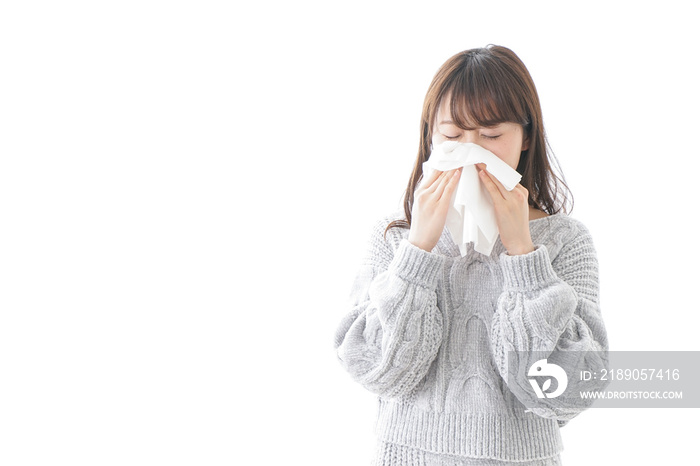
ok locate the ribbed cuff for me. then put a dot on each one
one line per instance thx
(417, 265)
(529, 271)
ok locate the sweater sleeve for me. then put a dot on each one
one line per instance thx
(546, 309)
(393, 329)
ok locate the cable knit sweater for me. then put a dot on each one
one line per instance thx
(429, 333)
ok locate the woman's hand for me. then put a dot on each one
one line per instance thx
(512, 213)
(430, 205)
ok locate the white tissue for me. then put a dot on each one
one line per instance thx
(471, 216)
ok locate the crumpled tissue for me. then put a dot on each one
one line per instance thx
(471, 216)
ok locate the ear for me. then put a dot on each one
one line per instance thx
(526, 142)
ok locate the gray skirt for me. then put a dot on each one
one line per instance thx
(391, 454)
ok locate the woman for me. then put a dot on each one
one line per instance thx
(439, 336)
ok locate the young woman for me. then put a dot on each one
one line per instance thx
(438, 335)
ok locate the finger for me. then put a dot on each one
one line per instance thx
(521, 191)
(444, 180)
(522, 188)
(451, 184)
(502, 189)
(499, 185)
(441, 182)
(428, 182)
(434, 181)
(491, 186)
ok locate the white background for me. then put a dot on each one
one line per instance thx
(186, 189)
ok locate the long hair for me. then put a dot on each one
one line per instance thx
(488, 86)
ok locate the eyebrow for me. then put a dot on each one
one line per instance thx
(450, 122)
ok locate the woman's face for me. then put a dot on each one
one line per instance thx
(505, 140)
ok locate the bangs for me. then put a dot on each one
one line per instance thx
(483, 95)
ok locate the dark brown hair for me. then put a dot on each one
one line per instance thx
(488, 86)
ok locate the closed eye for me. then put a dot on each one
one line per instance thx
(486, 136)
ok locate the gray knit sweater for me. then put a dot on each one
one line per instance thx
(430, 332)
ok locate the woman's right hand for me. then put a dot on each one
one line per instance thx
(430, 205)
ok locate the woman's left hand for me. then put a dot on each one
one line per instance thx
(512, 213)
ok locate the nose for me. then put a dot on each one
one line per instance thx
(469, 136)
